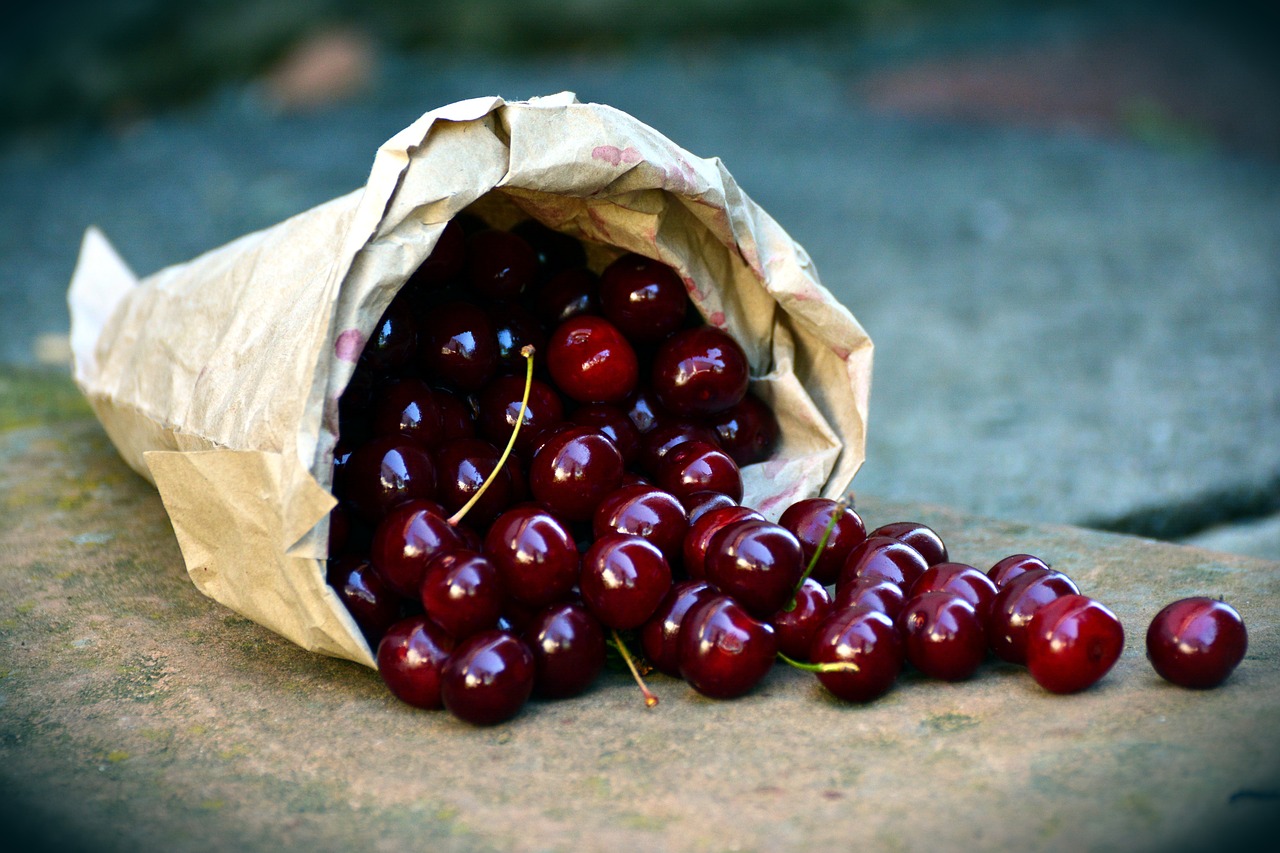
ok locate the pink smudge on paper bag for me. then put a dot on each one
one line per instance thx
(614, 156)
(349, 345)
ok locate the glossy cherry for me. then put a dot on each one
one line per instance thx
(1010, 567)
(459, 346)
(699, 372)
(644, 410)
(663, 438)
(568, 648)
(865, 638)
(569, 293)
(412, 658)
(963, 580)
(645, 511)
(748, 431)
(1197, 642)
(1072, 642)
(385, 472)
(643, 297)
(488, 678)
(1015, 605)
(723, 650)
(498, 406)
(463, 465)
(919, 536)
(573, 471)
(696, 466)
(698, 504)
(623, 580)
(591, 361)
(942, 635)
(534, 554)
(660, 635)
(368, 598)
(808, 521)
(884, 557)
(611, 420)
(757, 562)
(461, 592)
(514, 328)
(797, 627)
(393, 341)
(702, 531)
(875, 593)
(407, 540)
(409, 407)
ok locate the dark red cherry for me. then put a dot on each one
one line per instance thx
(965, 581)
(455, 416)
(498, 406)
(797, 627)
(573, 471)
(368, 598)
(757, 562)
(554, 250)
(696, 466)
(411, 660)
(409, 407)
(623, 580)
(748, 431)
(393, 340)
(942, 635)
(500, 264)
(445, 262)
(614, 423)
(462, 467)
(488, 678)
(808, 520)
(339, 530)
(660, 635)
(1072, 642)
(699, 372)
(866, 638)
(514, 328)
(1014, 606)
(385, 472)
(570, 293)
(459, 346)
(534, 554)
(461, 593)
(875, 593)
(568, 650)
(591, 361)
(919, 536)
(701, 532)
(1197, 642)
(883, 557)
(662, 439)
(644, 410)
(697, 504)
(723, 651)
(645, 511)
(643, 297)
(1010, 567)
(407, 539)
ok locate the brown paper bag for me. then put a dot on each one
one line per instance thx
(218, 379)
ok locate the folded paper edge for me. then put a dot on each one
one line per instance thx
(100, 281)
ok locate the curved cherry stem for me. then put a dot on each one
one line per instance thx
(831, 666)
(841, 505)
(649, 698)
(527, 352)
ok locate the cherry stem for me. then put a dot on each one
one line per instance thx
(841, 505)
(649, 698)
(527, 352)
(831, 666)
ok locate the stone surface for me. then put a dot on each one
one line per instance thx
(136, 714)
(1257, 538)
(1068, 329)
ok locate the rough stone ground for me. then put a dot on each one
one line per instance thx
(136, 714)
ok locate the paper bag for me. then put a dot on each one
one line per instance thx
(218, 379)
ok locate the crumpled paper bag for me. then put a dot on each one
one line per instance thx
(218, 379)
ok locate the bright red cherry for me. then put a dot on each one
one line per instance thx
(884, 557)
(696, 466)
(808, 520)
(797, 627)
(411, 660)
(699, 372)
(758, 563)
(591, 361)
(875, 593)
(488, 678)
(723, 651)
(407, 539)
(573, 471)
(965, 581)
(660, 635)
(919, 536)
(568, 650)
(623, 580)
(942, 635)
(461, 593)
(1014, 606)
(865, 638)
(614, 423)
(534, 554)
(1197, 642)
(1072, 642)
(643, 297)
(1010, 567)
(698, 504)
(702, 531)
(748, 431)
(665, 437)
(645, 511)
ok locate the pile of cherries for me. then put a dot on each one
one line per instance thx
(537, 463)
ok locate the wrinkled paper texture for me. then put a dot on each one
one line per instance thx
(218, 379)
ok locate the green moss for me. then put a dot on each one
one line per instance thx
(37, 397)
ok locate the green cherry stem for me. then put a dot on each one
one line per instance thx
(841, 505)
(527, 352)
(832, 666)
(649, 698)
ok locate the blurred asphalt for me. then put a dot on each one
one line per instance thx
(1071, 326)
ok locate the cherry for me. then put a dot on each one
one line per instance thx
(643, 297)
(758, 563)
(488, 678)
(884, 557)
(591, 361)
(963, 580)
(407, 539)
(459, 346)
(701, 532)
(535, 555)
(696, 466)
(455, 416)
(1010, 567)
(808, 521)
(411, 659)
(919, 536)
(614, 423)
(573, 471)
(409, 407)
(461, 593)
(623, 580)
(1072, 642)
(1015, 605)
(498, 406)
(660, 635)
(499, 263)
(748, 431)
(385, 472)
(393, 341)
(698, 504)
(514, 328)
(1196, 642)
(568, 650)
(569, 293)
(644, 410)
(445, 262)
(463, 466)
(699, 372)
(368, 598)
(797, 627)
(554, 251)
(662, 439)
(646, 511)
(723, 651)
(942, 635)
(866, 639)
(875, 593)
